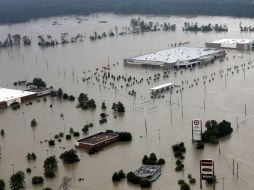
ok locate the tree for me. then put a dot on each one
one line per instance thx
(31, 156)
(65, 96)
(49, 173)
(38, 82)
(51, 142)
(2, 132)
(131, 177)
(17, 181)
(47, 188)
(124, 136)
(185, 186)
(33, 123)
(2, 184)
(118, 107)
(114, 107)
(59, 93)
(115, 177)
(69, 157)
(103, 106)
(50, 163)
(82, 98)
(145, 183)
(37, 180)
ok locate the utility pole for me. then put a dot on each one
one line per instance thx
(245, 110)
(225, 79)
(182, 103)
(237, 169)
(233, 166)
(237, 125)
(223, 178)
(145, 126)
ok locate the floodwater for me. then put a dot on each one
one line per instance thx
(64, 66)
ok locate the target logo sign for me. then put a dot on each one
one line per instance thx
(196, 129)
(196, 122)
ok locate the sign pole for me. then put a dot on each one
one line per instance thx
(200, 176)
(192, 131)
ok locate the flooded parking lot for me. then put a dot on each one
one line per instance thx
(225, 95)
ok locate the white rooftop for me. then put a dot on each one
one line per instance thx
(233, 41)
(177, 54)
(9, 94)
(162, 86)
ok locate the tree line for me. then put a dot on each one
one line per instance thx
(23, 10)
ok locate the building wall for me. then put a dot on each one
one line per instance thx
(212, 45)
(3, 105)
(9, 102)
(243, 46)
(99, 145)
(27, 98)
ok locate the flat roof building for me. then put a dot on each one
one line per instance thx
(10, 96)
(239, 44)
(98, 140)
(165, 86)
(176, 57)
(148, 172)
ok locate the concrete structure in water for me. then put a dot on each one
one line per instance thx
(148, 172)
(98, 140)
(239, 44)
(177, 57)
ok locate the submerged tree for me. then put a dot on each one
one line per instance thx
(69, 157)
(17, 181)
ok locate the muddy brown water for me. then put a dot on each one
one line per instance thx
(166, 124)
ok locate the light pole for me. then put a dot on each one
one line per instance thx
(223, 178)
(12, 168)
(24, 118)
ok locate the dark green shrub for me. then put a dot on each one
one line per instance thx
(28, 170)
(47, 188)
(76, 134)
(68, 137)
(37, 180)
(161, 161)
(192, 180)
(185, 186)
(179, 167)
(121, 174)
(69, 157)
(181, 181)
(2, 184)
(145, 183)
(131, 177)
(49, 173)
(51, 142)
(115, 177)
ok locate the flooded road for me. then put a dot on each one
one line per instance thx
(64, 66)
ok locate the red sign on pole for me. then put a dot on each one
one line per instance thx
(206, 170)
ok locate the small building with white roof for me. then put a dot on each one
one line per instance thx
(239, 44)
(177, 57)
(10, 96)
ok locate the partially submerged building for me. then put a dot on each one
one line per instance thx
(98, 140)
(177, 57)
(239, 44)
(148, 172)
(10, 96)
(163, 87)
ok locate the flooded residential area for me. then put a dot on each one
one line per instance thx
(216, 85)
